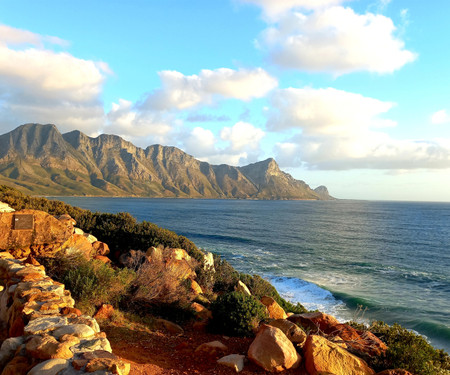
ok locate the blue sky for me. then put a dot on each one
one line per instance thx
(350, 94)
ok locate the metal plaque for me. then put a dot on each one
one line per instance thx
(23, 221)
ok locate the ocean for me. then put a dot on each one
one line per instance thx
(360, 260)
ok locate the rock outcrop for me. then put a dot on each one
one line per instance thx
(44, 333)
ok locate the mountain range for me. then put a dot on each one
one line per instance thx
(37, 159)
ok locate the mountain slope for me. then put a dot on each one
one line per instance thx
(38, 159)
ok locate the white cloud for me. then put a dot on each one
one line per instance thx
(440, 117)
(13, 36)
(274, 9)
(339, 130)
(243, 136)
(236, 145)
(179, 92)
(41, 85)
(326, 111)
(141, 127)
(335, 40)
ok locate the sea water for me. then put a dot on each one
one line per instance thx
(360, 260)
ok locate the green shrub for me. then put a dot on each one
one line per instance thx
(225, 277)
(90, 282)
(409, 351)
(260, 288)
(236, 314)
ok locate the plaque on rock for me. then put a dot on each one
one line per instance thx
(23, 221)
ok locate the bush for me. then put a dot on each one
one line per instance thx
(225, 276)
(121, 231)
(409, 351)
(260, 288)
(91, 282)
(236, 314)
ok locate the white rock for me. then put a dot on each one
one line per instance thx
(235, 361)
(44, 324)
(4, 207)
(77, 330)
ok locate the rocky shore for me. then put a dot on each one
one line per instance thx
(43, 332)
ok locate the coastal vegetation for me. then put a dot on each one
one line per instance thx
(149, 284)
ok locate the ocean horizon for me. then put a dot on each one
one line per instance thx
(357, 260)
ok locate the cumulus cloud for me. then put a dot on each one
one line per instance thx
(38, 84)
(141, 127)
(335, 40)
(440, 117)
(179, 92)
(338, 130)
(235, 145)
(274, 9)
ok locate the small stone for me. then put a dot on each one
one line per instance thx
(212, 349)
(241, 287)
(235, 361)
(70, 310)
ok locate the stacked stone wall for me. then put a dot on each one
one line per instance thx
(42, 332)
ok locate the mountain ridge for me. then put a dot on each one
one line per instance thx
(38, 159)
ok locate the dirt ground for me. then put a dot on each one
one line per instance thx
(155, 353)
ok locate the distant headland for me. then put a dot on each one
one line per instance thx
(37, 159)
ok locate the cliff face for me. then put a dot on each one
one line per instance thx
(38, 159)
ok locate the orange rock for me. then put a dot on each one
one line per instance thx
(104, 312)
(44, 229)
(211, 349)
(275, 310)
(47, 347)
(17, 327)
(100, 248)
(272, 350)
(324, 357)
(70, 310)
(201, 312)
(359, 342)
(19, 365)
(314, 321)
(77, 243)
(195, 288)
(103, 259)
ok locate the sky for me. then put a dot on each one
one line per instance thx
(351, 94)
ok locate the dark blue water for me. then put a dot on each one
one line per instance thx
(392, 258)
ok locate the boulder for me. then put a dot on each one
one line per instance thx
(241, 287)
(201, 312)
(78, 243)
(67, 221)
(4, 207)
(208, 262)
(174, 329)
(211, 349)
(275, 310)
(104, 312)
(47, 347)
(235, 361)
(39, 229)
(315, 320)
(292, 331)
(195, 288)
(272, 350)
(154, 254)
(100, 248)
(358, 342)
(19, 365)
(90, 238)
(102, 259)
(325, 357)
(50, 367)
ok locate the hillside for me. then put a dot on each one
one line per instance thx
(38, 159)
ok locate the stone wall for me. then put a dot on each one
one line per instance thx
(42, 331)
